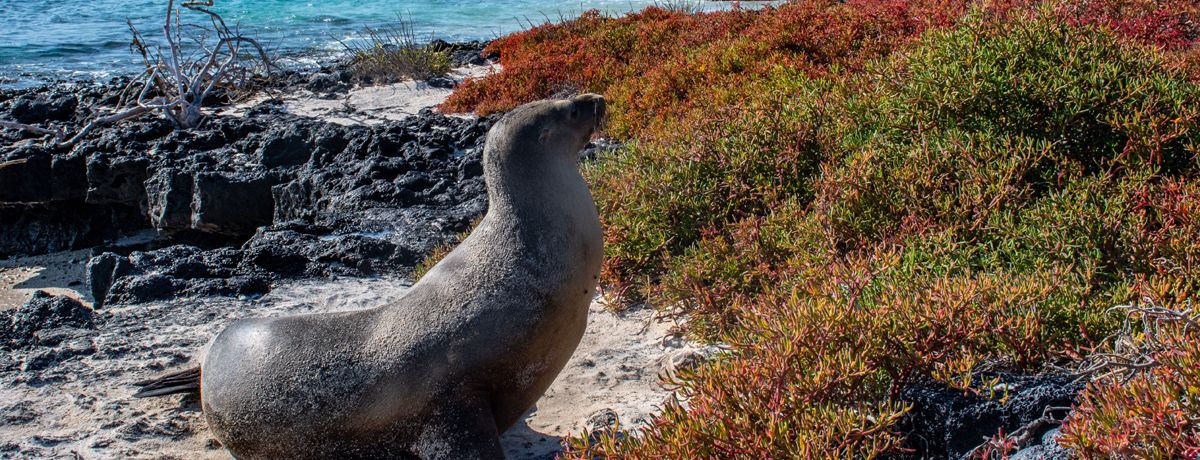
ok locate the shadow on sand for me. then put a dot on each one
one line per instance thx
(524, 443)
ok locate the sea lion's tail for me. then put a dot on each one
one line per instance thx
(185, 381)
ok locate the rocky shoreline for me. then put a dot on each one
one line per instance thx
(240, 202)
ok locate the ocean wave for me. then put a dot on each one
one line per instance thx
(329, 19)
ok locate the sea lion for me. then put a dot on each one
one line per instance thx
(457, 360)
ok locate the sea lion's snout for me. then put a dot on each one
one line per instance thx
(590, 103)
(568, 123)
(589, 107)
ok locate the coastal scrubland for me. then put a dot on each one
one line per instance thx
(393, 53)
(854, 196)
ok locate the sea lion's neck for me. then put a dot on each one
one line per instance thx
(551, 188)
(545, 212)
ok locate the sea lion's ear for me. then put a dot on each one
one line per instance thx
(545, 136)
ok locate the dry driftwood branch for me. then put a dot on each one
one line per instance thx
(184, 80)
(104, 121)
(30, 128)
(59, 135)
(1132, 353)
(176, 83)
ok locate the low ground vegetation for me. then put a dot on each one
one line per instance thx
(393, 53)
(1145, 403)
(857, 194)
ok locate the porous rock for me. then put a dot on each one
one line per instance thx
(117, 179)
(102, 270)
(948, 423)
(232, 203)
(175, 271)
(1047, 449)
(25, 180)
(169, 199)
(286, 145)
(41, 108)
(43, 319)
(61, 226)
(324, 82)
(254, 199)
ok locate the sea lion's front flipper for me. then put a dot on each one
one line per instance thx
(462, 431)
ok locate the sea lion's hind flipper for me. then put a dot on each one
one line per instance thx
(185, 381)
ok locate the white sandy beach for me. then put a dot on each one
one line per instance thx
(366, 105)
(84, 408)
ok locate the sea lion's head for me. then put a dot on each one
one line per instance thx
(545, 130)
(579, 117)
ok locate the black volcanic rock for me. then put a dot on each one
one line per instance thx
(60, 226)
(102, 270)
(946, 423)
(442, 82)
(29, 324)
(325, 82)
(68, 177)
(287, 197)
(232, 203)
(239, 202)
(286, 145)
(464, 53)
(174, 271)
(25, 180)
(117, 178)
(44, 107)
(169, 199)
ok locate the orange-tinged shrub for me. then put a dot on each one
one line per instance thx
(656, 65)
(1154, 413)
(818, 360)
(1171, 25)
(856, 194)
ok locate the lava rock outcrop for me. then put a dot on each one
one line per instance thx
(240, 201)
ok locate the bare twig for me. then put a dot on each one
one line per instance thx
(1021, 437)
(1131, 352)
(106, 120)
(30, 128)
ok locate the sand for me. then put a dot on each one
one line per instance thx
(615, 370)
(60, 273)
(366, 105)
(81, 407)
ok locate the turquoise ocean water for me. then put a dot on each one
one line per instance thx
(43, 40)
